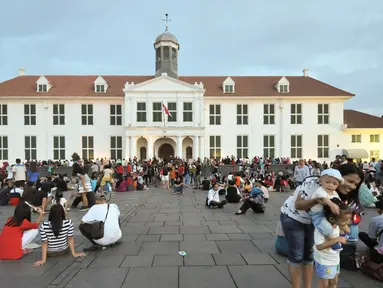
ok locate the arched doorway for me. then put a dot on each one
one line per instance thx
(189, 153)
(165, 151)
(143, 153)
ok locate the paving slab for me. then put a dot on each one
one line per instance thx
(161, 217)
(237, 236)
(137, 261)
(214, 237)
(174, 237)
(225, 229)
(258, 259)
(157, 248)
(261, 275)
(229, 259)
(110, 261)
(237, 246)
(98, 277)
(206, 277)
(194, 230)
(148, 238)
(168, 260)
(159, 277)
(199, 260)
(199, 247)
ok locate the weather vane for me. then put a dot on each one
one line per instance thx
(167, 20)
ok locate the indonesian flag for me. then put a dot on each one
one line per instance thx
(166, 110)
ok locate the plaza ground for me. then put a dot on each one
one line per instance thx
(223, 250)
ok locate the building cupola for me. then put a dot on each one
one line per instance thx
(166, 47)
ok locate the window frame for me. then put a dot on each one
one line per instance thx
(87, 117)
(242, 149)
(87, 151)
(157, 114)
(59, 114)
(172, 111)
(116, 149)
(59, 150)
(356, 138)
(42, 88)
(30, 152)
(296, 151)
(268, 117)
(215, 117)
(242, 117)
(268, 150)
(4, 151)
(283, 88)
(141, 112)
(323, 116)
(100, 88)
(30, 115)
(115, 115)
(215, 151)
(3, 114)
(187, 113)
(323, 150)
(296, 117)
(228, 88)
(374, 138)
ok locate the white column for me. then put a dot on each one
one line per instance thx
(133, 146)
(195, 147)
(202, 147)
(179, 146)
(127, 147)
(150, 148)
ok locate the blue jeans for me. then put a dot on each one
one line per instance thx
(321, 223)
(300, 240)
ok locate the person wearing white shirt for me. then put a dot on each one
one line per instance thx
(109, 214)
(19, 171)
(212, 199)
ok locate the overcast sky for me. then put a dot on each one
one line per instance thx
(341, 42)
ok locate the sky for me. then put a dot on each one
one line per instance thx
(340, 42)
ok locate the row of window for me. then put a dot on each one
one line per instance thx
(214, 113)
(87, 147)
(374, 138)
(323, 146)
(296, 114)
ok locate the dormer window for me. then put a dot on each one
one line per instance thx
(229, 88)
(43, 85)
(100, 88)
(100, 85)
(283, 85)
(228, 85)
(283, 88)
(42, 88)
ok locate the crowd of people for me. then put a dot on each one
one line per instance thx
(317, 221)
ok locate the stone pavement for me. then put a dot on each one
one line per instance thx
(223, 250)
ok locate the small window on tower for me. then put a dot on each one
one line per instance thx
(174, 54)
(166, 52)
(158, 54)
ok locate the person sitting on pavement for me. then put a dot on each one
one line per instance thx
(178, 186)
(19, 232)
(374, 238)
(57, 236)
(212, 199)
(206, 184)
(254, 201)
(109, 214)
(233, 195)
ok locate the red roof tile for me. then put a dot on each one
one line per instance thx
(355, 119)
(244, 86)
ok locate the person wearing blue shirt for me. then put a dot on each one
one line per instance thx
(255, 201)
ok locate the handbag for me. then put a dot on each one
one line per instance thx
(97, 228)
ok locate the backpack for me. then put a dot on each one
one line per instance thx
(372, 269)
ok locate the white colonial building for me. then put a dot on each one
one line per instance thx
(51, 116)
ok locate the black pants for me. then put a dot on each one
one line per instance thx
(85, 229)
(218, 204)
(89, 195)
(147, 179)
(251, 204)
(233, 198)
(370, 243)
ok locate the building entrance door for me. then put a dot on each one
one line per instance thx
(165, 151)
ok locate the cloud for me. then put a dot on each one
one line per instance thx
(339, 41)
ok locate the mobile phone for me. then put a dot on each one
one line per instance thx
(30, 205)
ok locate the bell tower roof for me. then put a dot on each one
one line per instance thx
(166, 36)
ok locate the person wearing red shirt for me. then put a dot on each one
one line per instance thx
(18, 232)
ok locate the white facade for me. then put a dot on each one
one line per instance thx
(187, 139)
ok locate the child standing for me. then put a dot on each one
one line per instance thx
(327, 260)
(330, 180)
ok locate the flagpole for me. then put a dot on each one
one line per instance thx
(163, 114)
